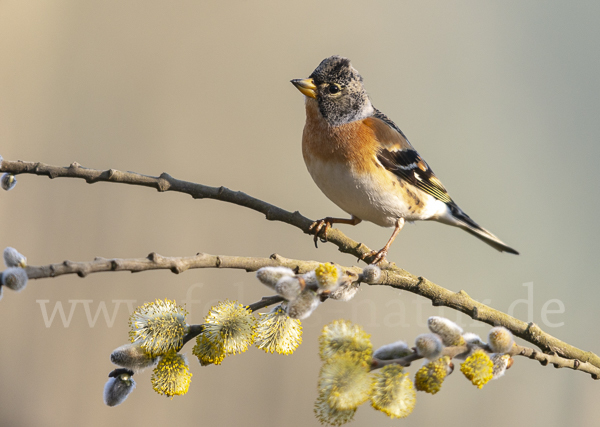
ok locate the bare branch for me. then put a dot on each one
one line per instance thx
(177, 265)
(166, 182)
(265, 302)
(557, 361)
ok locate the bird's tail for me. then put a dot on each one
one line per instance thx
(462, 220)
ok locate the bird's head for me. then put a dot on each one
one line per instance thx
(337, 88)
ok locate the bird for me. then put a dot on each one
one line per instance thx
(365, 164)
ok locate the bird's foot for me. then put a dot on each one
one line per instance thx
(378, 256)
(320, 227)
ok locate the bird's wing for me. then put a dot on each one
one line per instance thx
(399, 157)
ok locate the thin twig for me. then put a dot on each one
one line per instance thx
(177, 265)
(405, 361)
(166, 182)
(556, 360)
(517, 350)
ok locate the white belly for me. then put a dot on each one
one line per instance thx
(370, 199)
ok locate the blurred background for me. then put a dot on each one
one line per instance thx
(501, 98)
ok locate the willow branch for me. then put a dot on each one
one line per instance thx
(554, 351)
(176, 265)
(517, 350)
(393, 276)
(166, 182)
(557, 361)
(405, 361)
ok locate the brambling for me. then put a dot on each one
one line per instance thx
(364, 163)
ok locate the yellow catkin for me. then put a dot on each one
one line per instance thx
(393, 392)
(346, 381)
(341, 337)
(230, 325)
(429, 377)
(277, 332)
(159, 326)
(478, 368)
(171, 377)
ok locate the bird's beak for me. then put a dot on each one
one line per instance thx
(306, 86)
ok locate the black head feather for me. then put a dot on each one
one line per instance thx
(340, 93)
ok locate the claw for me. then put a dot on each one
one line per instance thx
(378, 256)
(318, 227)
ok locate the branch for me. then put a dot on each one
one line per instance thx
(177, 265)
(166, 182)
(405, 361)
(555, 351)
(517, 350)
(557, 361)
(393, 276)
(460, 301)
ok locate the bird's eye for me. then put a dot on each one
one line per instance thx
(333, 88)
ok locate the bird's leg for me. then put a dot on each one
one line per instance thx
(380, 254)
(323, 225)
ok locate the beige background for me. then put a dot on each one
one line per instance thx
(501, 97)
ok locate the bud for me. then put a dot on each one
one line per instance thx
(500, 340)
(346, 291)
(429, 346)
(12, 258)
(394, 350)
(371, 274)
(132, 356)
(310, 280)
(448, 331)
(303, 305)
(289, 287)
(501, 362)
(473, 340)
(119, 385)
(271, 275)
(15, 278)
(8, 181)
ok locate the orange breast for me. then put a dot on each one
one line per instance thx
(353, 144)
